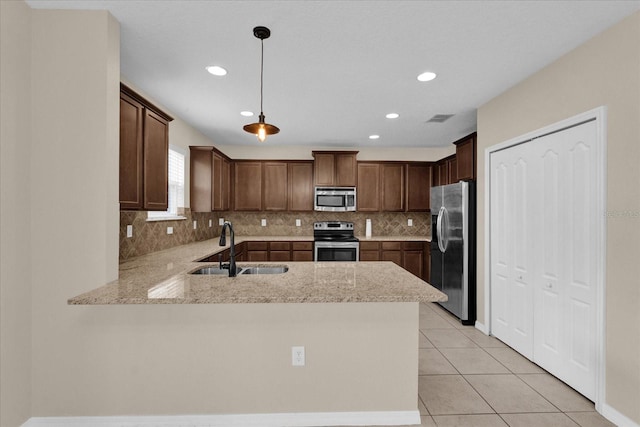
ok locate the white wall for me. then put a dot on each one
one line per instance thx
(603, 71)
(15, 247)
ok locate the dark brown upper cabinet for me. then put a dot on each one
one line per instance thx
(210, 180)
(392, 185)
(368, 195)
(466, 155)
(247, 185)
(335, 168)
(300, 176)
(144, 153)
(274, 186)
(419, 181)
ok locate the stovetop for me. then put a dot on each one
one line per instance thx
(333, 231)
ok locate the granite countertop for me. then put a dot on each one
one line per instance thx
(163, 278)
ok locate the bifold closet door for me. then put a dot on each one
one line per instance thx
(565, 257)
(543, 289)
(511, 248)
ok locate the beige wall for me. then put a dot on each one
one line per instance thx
(604, 71)
(15, 281)
(61, 227)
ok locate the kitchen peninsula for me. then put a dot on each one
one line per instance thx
(358, 323)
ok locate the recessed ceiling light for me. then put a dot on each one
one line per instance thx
(216, 70)
(392, 116)
(246, 113)
(427, 76)
(374, 136)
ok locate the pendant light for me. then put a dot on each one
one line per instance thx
(261, 129)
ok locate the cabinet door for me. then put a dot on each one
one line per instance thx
(392, 186)
(156, 162)
(368, 195)
(418, 187)
(426, 275)
(346, 170)
(324, 169)
(300, 186)
(391, 251)
(466, 156)
(443, 173)
(247, 188)
(201, 174)
(274, 186)
(217, 182)
(226, 184)
(131, 125)
(413, 257)
(452, 170)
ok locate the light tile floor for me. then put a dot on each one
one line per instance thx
(469, 379)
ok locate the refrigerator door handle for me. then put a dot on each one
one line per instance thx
(441, 226)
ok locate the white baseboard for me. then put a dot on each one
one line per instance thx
(616, 417)
(304, 419)
(482, 328)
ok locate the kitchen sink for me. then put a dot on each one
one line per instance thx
(211, 270)
(264, 270)
(242, 270)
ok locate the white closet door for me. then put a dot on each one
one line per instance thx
(564, 283)
(511, 248)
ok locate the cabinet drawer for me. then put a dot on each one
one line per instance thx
(369, 255)
(256, 246)
(302, 246)
(279, 246)
(302, 256)
(413, 246)
(369, 246)
(279, 256)
(391, 246)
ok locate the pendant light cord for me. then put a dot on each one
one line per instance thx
(261, 70)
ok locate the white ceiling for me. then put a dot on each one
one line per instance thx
(333, 69)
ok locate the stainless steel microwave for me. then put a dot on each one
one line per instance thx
(335, 199)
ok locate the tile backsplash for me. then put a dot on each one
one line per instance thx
(152, 236)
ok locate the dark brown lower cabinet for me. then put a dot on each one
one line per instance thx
(279, 251)
(413, 256)
(391, 251)
(301, 251)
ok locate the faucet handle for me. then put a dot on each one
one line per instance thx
(220, 261)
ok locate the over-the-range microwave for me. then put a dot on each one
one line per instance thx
(335, 199)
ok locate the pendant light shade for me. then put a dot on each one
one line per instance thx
(261, 129)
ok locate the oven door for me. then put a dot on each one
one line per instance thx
(336, 251)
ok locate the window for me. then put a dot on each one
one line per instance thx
(176, 187)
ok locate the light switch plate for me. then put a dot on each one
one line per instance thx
(210, 223)
(263, 222)
(169, 230)
(410, 222)
(220, 221)
(195, 225)
(129, 230)
(298, 223)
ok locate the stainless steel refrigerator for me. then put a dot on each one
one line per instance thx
(453, 247)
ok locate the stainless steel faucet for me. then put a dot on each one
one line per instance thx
(232, 252)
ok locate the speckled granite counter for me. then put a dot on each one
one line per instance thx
(163, 278)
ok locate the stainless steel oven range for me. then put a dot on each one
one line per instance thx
(334, 241)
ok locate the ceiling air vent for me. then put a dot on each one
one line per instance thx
(440, 118)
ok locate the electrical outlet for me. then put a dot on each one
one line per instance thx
(410, 222)
(263, 222)
(129, 230)
(297, 356)
(210, 223)
(169, 230)
(195, 225)
(298, 223)
(220, 221)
